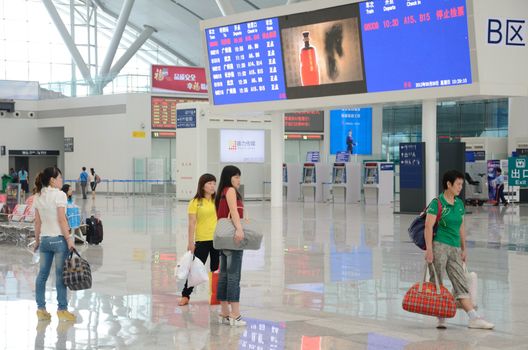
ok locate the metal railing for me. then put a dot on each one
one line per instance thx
(127, 83)
(133, 187)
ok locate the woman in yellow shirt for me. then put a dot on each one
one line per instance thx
(202, 225)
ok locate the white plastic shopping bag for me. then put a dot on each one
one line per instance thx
(472, 280)
(198, 274)
(184, 265)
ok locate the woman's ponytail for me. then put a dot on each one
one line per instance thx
(44, 178)
(38, 184)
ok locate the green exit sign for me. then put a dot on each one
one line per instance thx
(518, 171)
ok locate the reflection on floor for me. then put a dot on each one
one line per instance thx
(327, 277)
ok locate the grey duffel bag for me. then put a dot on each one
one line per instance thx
(225, 233)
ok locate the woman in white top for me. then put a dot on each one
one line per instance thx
(53, 239)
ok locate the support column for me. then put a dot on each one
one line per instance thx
(325, 151)
(430, 139)
(129, 53)
(116, 37)
(377, 132)
(277, 158)
(73, 92)
(76, 55)
(276, 248)
(517, 107)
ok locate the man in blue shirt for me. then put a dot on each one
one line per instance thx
(499, 188)
(84, 181)
(23, 178)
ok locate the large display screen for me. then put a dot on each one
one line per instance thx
(351, 131)
(245, 62)
(372, 46)
(415, 44)
(242, 146)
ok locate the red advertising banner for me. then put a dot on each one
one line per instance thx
(183, 80)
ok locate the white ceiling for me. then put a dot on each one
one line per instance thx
(177, 21)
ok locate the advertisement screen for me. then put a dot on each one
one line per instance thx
(322, 52)
(173, 79)
(351, 131)
(245, 62)
(242, 146)
(415, 44)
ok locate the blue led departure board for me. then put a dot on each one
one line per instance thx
(413, 44)
(371, 46)
(245, 62)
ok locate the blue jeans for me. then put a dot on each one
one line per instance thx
(52, 248)
(229, 277)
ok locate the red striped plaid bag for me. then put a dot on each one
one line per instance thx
(429, 298)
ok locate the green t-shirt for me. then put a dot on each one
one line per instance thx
(448, 231)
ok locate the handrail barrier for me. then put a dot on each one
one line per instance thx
(142, 189)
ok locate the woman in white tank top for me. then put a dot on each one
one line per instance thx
(53, 239)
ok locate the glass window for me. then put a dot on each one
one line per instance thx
(16, 30)
(39, 71)
(400, 124)
(484, 118)
(62, 71)
(472, 120)
(32, 48)
(40, 52)
(15, 10)
(16, 51)
(16, 70)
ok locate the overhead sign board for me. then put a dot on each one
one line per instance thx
(340, 50)
(309, 121)
(33, 152)
(518, 171)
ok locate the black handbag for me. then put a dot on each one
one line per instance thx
(77, 274)
(417, 228)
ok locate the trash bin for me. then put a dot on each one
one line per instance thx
(5, 180)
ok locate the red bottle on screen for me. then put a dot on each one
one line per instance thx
(309, 66)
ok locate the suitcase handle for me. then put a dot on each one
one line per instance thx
(435, 275)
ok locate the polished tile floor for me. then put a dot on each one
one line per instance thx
(327, 277)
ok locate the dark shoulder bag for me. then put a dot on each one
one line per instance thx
(417, 228)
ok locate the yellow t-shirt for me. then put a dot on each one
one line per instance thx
(205, 212)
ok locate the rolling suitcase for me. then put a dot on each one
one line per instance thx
(94, 230)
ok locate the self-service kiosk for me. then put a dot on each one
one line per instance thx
(291, 179)
(378, 182)
(314, 176)
(346, 182)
